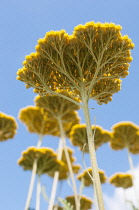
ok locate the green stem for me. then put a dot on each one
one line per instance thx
(93, 160)
(38, 193)
(56, 177)
(62, 133)
(133, 174)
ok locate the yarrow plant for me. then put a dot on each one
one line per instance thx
(87, 64)
(8, 127)
(126, 135)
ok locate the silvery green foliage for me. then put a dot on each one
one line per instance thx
(66, 205)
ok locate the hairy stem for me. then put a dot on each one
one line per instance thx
(93, 160)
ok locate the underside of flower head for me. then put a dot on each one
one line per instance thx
(91, 60)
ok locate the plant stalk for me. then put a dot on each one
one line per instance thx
(92, 152)
(133, 174)
(38, 193)
(31, 186)
(56, 177)
(62, 133)
(33, 175)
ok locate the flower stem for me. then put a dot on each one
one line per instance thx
(133, 174)
(93, 160)
(40, 141)
(32, 180)
(38, 193)
(56, 177)
(62, 133)
(31, 186)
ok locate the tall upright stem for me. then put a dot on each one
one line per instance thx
(38, 193)
(62, 133)
(32, 180)
(56, 177)
(93, 160)
(31, 186)
(133, 174)
(40, 141)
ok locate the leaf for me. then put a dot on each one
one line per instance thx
(67, 205)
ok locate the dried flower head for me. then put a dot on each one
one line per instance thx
(37, 121)
(87, 180)
(85, 203)
(121, 180)
(46, 160)
(91, 61)
(78, 136)
(125, 135)
(8, 127)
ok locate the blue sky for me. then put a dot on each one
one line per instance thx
(22, 23)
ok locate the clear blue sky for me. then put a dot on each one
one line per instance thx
(22, 23)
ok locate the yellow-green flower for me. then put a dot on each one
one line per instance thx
(125, 135)
(91, 61)
(85, 203)
(64, 170)
(78, 136)
(86, 178)
(8, 127)
(123, 180)
(37, 121)
(46, 160)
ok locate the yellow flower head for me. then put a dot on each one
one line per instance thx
(8, 127)
(121, 180)
(87, 180)
(46, 160)
(85, 203)
(57, 105)
(37, 121)
(134, 148)
(125, 135)
(59, 108)
(78, 136)
(91, 60)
